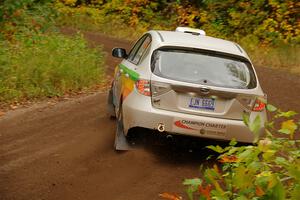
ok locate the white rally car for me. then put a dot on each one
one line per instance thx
(184, 82)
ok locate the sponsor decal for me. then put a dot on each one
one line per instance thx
(181, 125)
(132, 74)
(196, 125)
(127, 82)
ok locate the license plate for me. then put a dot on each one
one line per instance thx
(202, 103)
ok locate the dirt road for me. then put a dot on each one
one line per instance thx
(65, 151)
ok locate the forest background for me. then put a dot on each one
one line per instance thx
(269, 30)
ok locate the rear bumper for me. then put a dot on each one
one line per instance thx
(138, 112)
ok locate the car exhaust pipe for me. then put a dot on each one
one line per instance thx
(161, 127)
(169, 137)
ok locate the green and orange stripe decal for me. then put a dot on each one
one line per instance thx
(128, 82)
(132, 74)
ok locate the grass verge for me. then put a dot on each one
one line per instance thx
(37, 61)
(52, 66)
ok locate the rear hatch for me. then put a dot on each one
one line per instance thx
(202, 83)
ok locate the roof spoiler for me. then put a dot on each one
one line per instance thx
(192, 31)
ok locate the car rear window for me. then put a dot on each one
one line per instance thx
(206, 68)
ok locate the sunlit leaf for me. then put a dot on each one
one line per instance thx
(209, 157)
(255, 127)
(233, 142)
(194, 181)
(268, 155)
(284, 131)
(246, 154)
(287, 114)
(170, 196)
(190, 191)
(271, 108)
(217, 148)
(289, 125)
(238, 177)
(233, 150)
(246, 118)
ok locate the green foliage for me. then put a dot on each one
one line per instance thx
(123, 19)
(25, 17)
(269, 169)
(47, 66)
(36, 60)
(269, 22)
(268, 30)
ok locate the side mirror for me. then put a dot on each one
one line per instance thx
(119, 53)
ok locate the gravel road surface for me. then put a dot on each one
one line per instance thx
(65, 150)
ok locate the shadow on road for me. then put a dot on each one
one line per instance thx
(175, 149)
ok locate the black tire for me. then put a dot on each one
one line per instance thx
(110, 105)
(121, 142)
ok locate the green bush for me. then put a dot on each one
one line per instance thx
(36, 60)
(268, 30)
(48, 66)
(269, 169)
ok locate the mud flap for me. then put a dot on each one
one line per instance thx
(110, 104)
(121, 142)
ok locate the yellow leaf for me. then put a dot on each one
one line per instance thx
(289, 125)
(169, 196)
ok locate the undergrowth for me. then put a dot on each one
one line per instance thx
(128, 21)
(36, 60)
(51, 66)
(268, 169)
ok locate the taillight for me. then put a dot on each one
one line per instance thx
(259, 105)
(143, 87)
(159, 88)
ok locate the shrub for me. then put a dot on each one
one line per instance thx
(269, 169)
(268, 30)
(36, 60)
(48, 66)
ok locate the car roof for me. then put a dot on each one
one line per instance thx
(173, 38)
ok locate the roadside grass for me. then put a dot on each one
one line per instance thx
(36, 61)
(283, 56)
(52, 66)
(92, 19)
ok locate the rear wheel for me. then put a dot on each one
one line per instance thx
(110, 104)
(121, 142)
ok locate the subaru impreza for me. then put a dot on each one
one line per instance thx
(184, 82)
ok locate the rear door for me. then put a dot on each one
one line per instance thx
(126, 74)
(202, 83)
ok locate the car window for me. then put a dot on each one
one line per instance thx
(206, 69)
(139, 48)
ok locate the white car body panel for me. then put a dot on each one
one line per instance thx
(139, 111)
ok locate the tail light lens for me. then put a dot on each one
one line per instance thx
(259, 105)
(159, 88)
(254, 103)
(143, 87)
